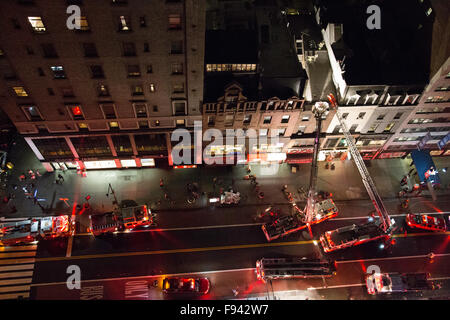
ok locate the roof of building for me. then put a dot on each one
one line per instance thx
(233, 46)
(398, 53)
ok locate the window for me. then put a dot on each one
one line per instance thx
(58, 72)
(122, 144)
(337, 129)
(108, 111)
(143, 124)
(67, 92)
(40, 72)
(155, 108)
(179, 108)
(211, 120)
(305, 118)
(119, 2)
(146, 47)
(29, 50)
(281, 131)
(129, 49)
(76, 112)
(353, 128)
(447, 88)
(373, 127)
(229, 119)
(20, 91)
(380, 117)
(178, 88)
(398, 115)
(91, 146)
(152, 87)
(15, 23)
(37, 24)
(389, 127)
(133, 70)
(97, 71)
(361, 115)
(177, 68)
(102, 90)
(141, 110)
(142, 22)
(331, 143)
(149, 68)
(345, 115)
(90, 50)
(32, 113)
(174, 21)
(176, 47)
(180, 122)
(84, 25)
(247, 118)
(263, 132)
(301, 129)
(137, 90)
(285, 119)
(49, 50)
(267, 119)
(124, 23)
(50, 92)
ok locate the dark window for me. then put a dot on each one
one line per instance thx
(91, 146)
(150, 143)
(50, 91)
(353, 128)
(179, 108)
(67, 92)
(119, 2)
(40, 72)
(176, 47)
(265, 33)
(133, 71)
(29, 50)
(122, 145)
(97, 72)
(90, 50)
(32, 113)
(108, 111)
(177, 68)
(142, 22)
(267, 119)
(178, 88)
(53, 148)
(141, 110)
(155, 108)
(129, 49)
(146, 47)
(15, 23)
(49, 50)
(149, 68)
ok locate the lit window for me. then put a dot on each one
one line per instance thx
(285, 119)
(76, 112)
(305, 118)
(174, 21)
(148, 162)
(103, 90)
(247, 118)
(156, 123)
(389, 127)
(178, 88)
(137, 90)
(58, 72)
(37, 24)
(113, 124)
(124, 23)
(152, 87)
(32, 113)
(82, 125)
(141, 110)
(84, 25)
(263, 132)
(177, 68)
(134, 71)
(20, 91)
(180, 122)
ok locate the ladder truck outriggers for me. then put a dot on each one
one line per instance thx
(317, 208)
(358, 234)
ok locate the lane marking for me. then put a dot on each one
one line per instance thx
(17, 267)
(16, 274)
(168, 251)
(337, 286)
(391, 258)
(16, 289)
(19, 248)
(16, 261)
(18, 254)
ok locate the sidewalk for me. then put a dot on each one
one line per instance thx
(143, 185)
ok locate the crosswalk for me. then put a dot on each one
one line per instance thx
(16, 271)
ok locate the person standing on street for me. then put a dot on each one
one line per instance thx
(161, 183)
(60, 177)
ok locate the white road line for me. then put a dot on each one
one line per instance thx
(15, 281)
(15, 289)
(18, 248)
(338, 286)
(14, 295)
(69, 246)
(17, 267)
(7, 275)
(18, 254)
(392, 258)
(16, 261)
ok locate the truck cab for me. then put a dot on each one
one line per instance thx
(387, 283)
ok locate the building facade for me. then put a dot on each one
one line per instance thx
(106, 95)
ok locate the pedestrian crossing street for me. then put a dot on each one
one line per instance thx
(16, 271)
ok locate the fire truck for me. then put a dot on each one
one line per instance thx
(123, 218)
(358, 234)
(388, 283)
(34, 229)
(292, 268)
(317, 208)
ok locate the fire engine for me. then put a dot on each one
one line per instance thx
(358, 234)
(124, 218)
(387, 283)
(317, 209)
(34, 229)
(291, 268)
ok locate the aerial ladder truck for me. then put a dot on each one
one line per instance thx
(358, 234)
(317, 208)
